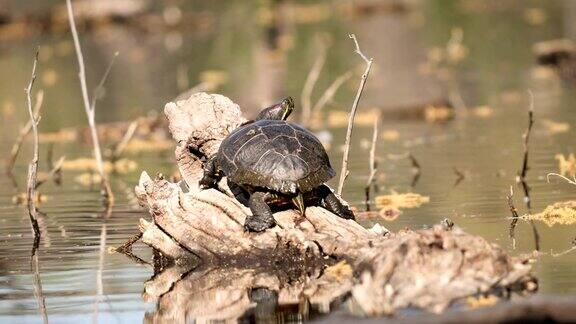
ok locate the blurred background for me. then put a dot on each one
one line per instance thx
(449, 86)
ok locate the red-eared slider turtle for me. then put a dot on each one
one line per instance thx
(274, 163)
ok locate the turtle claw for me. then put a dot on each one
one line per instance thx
(256, 224)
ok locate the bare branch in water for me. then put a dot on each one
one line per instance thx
(310, 82)
(555, 255)
(570, 181)
(90, 108)
(23, 133)
(55, 173)
(372, 163)
(416, 169)
(514, 212)
(119, 149)
(460, 176)
(38, 292)
(521, 178)
(33, 166)
(328, 95)
(344, 171)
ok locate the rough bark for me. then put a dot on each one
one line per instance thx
(381, 272)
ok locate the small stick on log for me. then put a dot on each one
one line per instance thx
(90, 108)
(33, 166)
(372, 163)
(515, 216)
(310, 82)
(368, 61)
(23, 133)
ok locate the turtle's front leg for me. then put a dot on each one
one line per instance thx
(332, 203)
(262, 217)
(211, 174)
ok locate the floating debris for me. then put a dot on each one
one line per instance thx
(566, 164)
(88, 179)
(438, 113)
(390, 205)
(481, 301)
(390, 135)
(139, 145)
(22, 198)
(61, 136)
(535, 16)
(553, 127)
(89, 164)
(340, 272)
(339, 118)
(483, 111)
(401, 200)
(561, 213)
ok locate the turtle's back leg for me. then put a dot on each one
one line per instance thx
(262, 217)
(329, 201)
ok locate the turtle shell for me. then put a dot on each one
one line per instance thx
(275, 154)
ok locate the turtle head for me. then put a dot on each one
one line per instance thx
(279, 111)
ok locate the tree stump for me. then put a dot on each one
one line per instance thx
(318, 257)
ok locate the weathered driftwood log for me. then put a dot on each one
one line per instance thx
(379, 271)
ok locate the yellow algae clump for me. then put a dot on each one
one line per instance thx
(340, 271)
(339, 118)
(139, 145)
(88, 179)
(561, 213)
(566, 165)
(390, 135)
(483, 111)
(89, 164)
(401, 200)
(553, 127)
(481, 301)
(22, 198)
(61, 136)
(438, 113)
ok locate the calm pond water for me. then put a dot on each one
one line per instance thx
(255, 60)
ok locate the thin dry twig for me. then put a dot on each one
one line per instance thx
(515, 216)
(460, 176)
(23, 134)
(38, 292)
(344, 170)
(55, 173)
(33, 166)
(328, 95)
(526, 138)
(119, 149)
(521, 178)
(310, 82)
(570, 181)
(89, 107)
(372, 163)
(416, 169)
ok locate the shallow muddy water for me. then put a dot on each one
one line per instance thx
(468, 162)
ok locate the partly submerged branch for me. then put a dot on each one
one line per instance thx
(33, 166)
(89, 107)
(344, 171)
